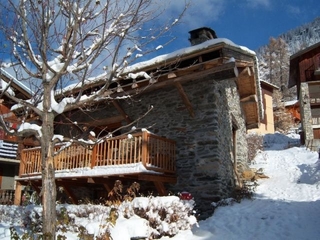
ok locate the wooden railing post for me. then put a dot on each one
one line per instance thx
(144, 148)
(22, 165)
(94, 156)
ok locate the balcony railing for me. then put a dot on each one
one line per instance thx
(8, 149)
(6, 197)
(154, 152)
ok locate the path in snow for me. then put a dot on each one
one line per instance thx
(285, 206)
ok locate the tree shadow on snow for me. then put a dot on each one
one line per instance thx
(278, 141)
(310, 173)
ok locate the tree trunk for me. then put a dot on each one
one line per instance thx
(48, 172)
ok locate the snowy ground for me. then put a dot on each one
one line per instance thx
(285, 206)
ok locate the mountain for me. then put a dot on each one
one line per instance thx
(274, 58)
(274, 65)
(300, 37)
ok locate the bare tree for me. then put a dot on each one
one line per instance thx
(274, 68)
(57, 42)
(274, 65)
(283, 120)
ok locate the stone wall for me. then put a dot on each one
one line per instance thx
(204, 143)
(305, 110)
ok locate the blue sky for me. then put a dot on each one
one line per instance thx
(248, 23)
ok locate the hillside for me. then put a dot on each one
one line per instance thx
(298, 38)
(302, 36)
(274, 58)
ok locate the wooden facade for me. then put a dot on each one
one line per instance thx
(305, 74)
(9, 159)
(267, 122)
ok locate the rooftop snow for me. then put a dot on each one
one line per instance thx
(18, 83)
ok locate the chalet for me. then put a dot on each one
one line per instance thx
(305, 74)
(267, 122)
(182, 128)
(9, 162)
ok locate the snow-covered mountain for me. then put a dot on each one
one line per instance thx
(274, 58)
(300, 37)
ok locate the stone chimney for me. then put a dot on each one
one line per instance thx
(201, 35)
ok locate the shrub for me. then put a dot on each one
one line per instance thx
(166, 215)
(255, 143)
(163, 216)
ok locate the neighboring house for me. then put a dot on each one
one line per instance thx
(305, 74)
(203, 98)
(9, 162)
(293, 108)
(267, 122)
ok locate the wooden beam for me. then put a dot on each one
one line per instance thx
(160, 188)
(185, 98)
(252, 125)
(17, 194)
(249, 99)
(157, 178)
(90, 180)
(107, 187)
(68, 191)
(105, 121)
(196, 75)
(121, 111)
(245, 71)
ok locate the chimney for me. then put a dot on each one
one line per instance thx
(201, 35)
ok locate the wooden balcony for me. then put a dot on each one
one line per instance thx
(155, 155)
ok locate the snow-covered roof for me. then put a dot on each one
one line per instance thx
(184, 52)
(290, 103)
(20, 86)
(139, 69)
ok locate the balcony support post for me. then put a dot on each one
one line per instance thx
(17, 194)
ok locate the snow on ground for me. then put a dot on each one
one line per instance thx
(284, 206)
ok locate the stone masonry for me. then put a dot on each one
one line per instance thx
(305, 110)
(204, 143)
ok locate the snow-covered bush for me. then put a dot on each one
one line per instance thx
(152, 217)
(166, 215)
